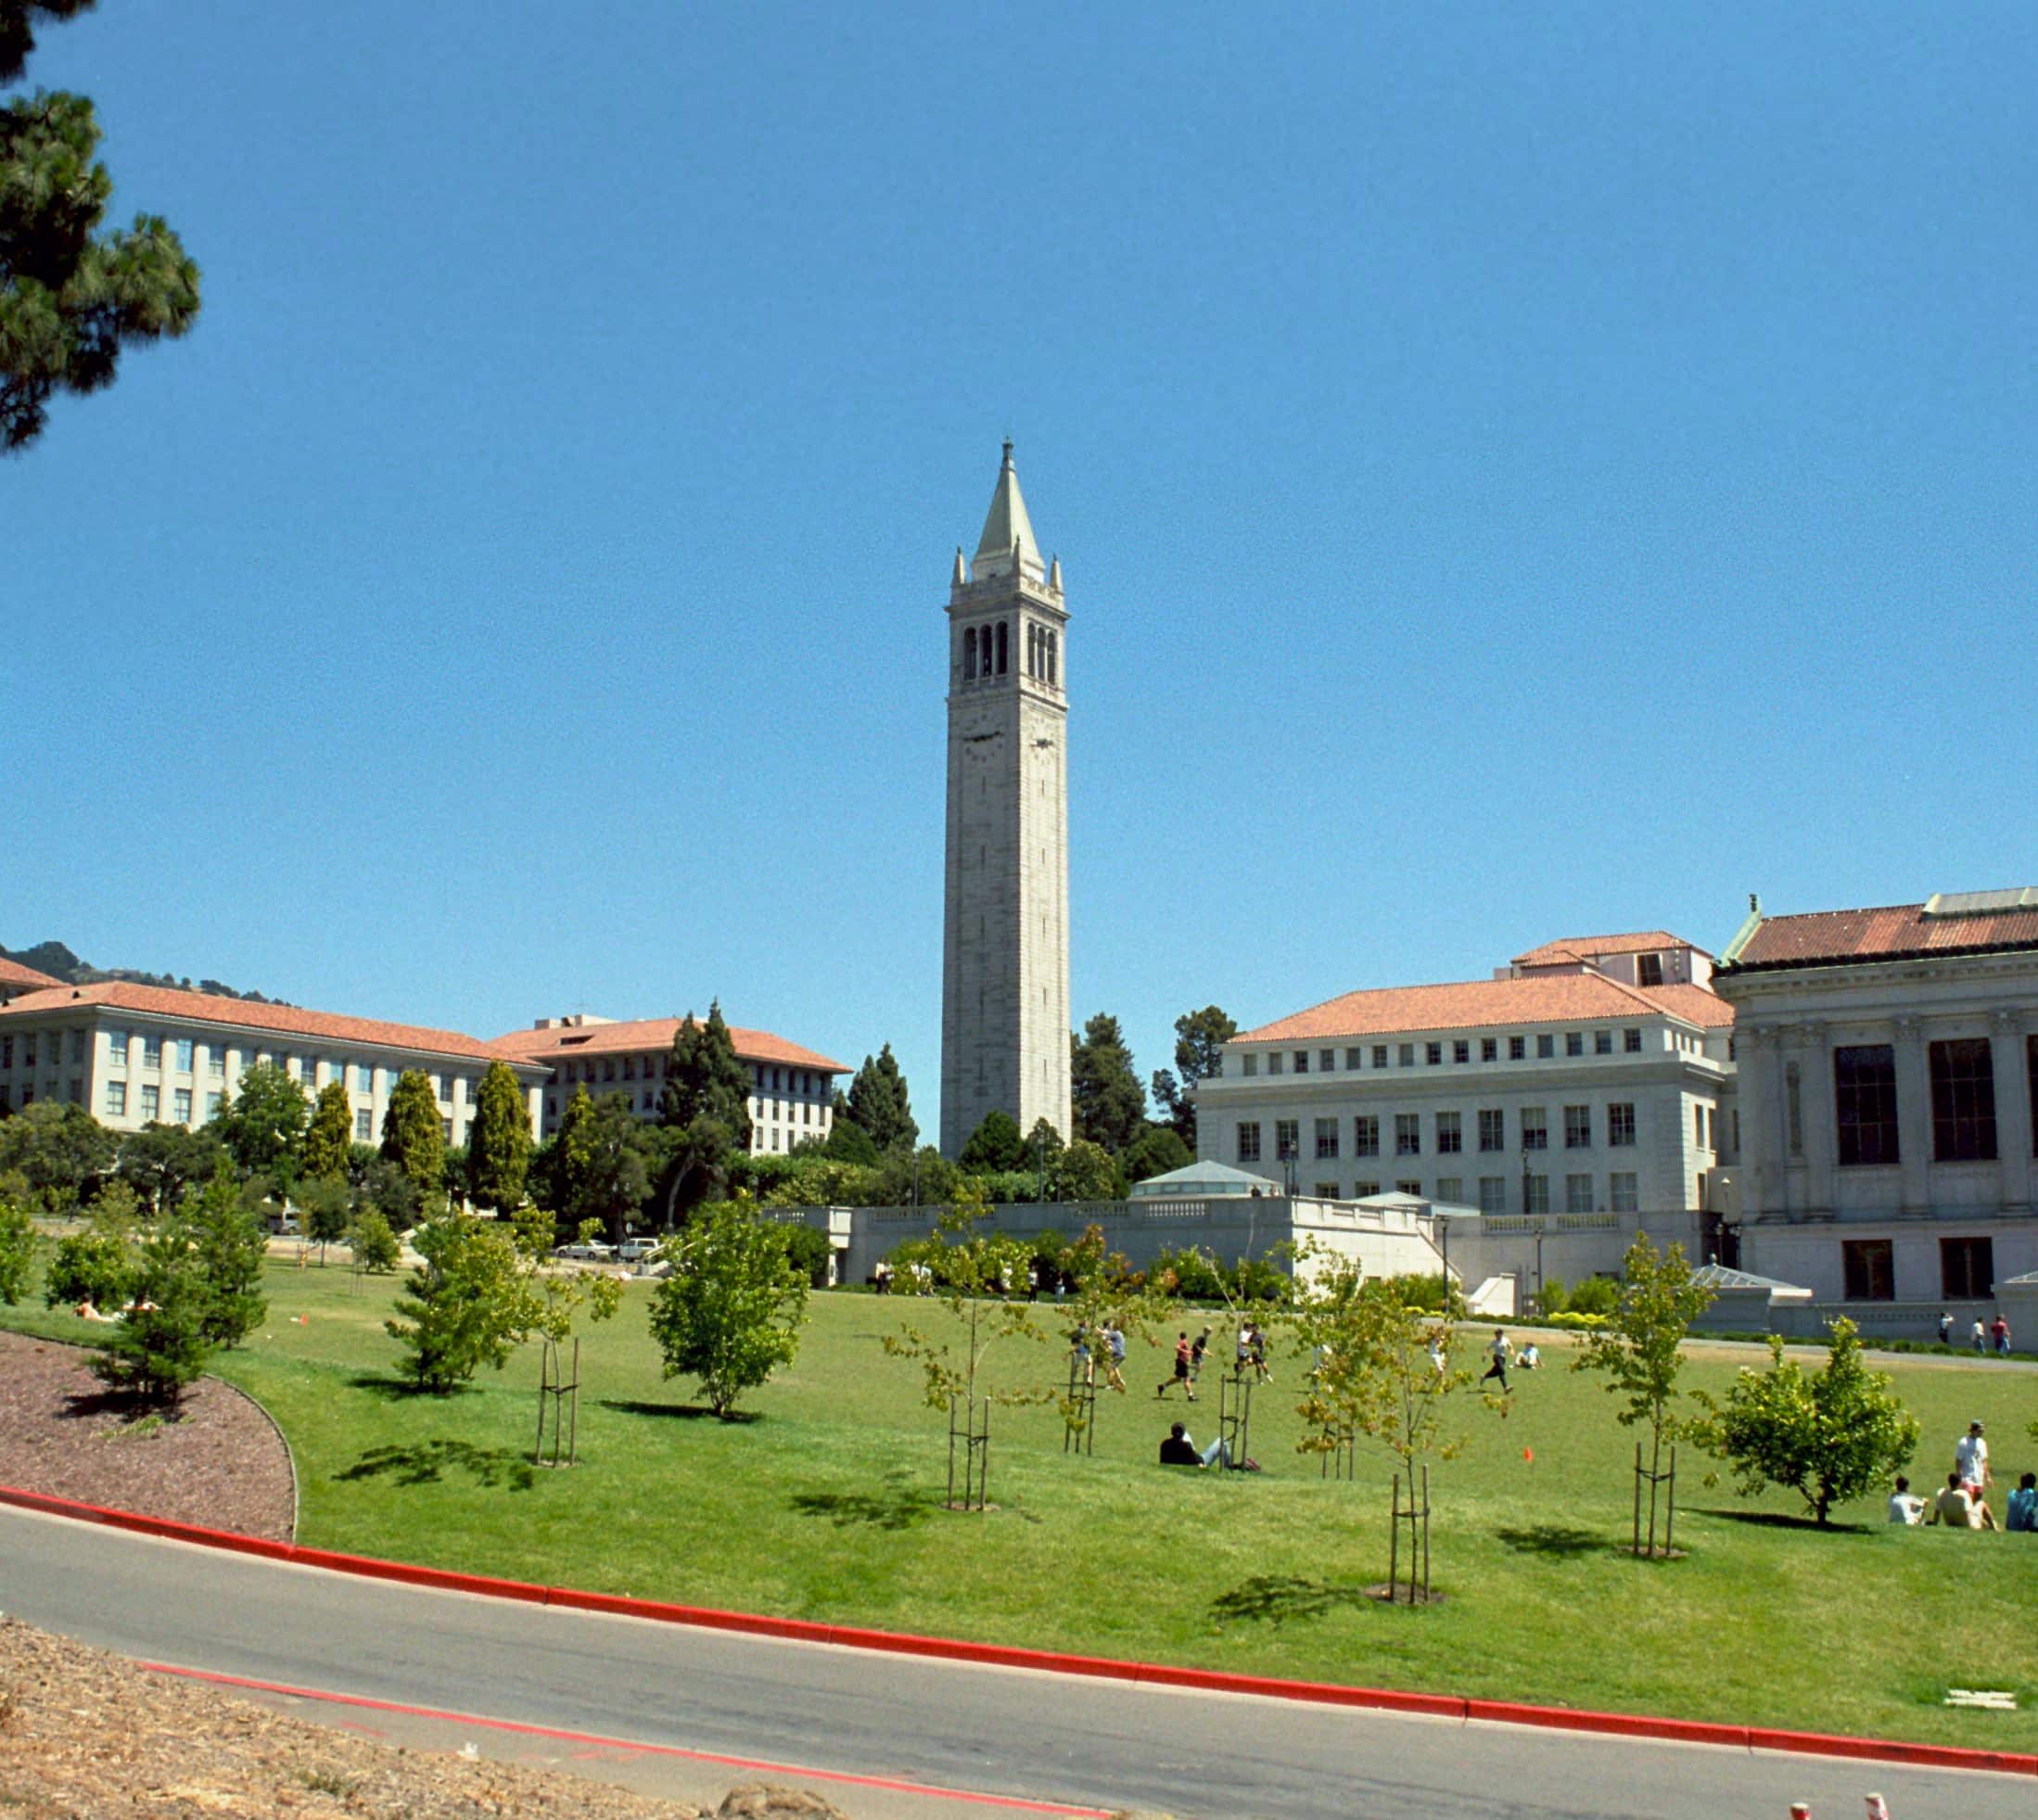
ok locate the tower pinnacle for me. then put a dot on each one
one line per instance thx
(1008, 545)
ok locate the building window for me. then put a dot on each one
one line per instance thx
(1967, 1268)
(1249, 1141)
(1366, 1135)
(1408, 1186)
(1408, 1134)
(1302, 1062)
(180, 1105)
(1535, 1128)
(1492, 1130)
(1461, 1051)
(152, 1103)
(969, 654)
(1351, 1060)
(1492, 1195)
(1577, 1127)
(1450, 1136)
(1273, 1062)
(1535, 1194)
(1623, 1191)
(1648, 969)
(445, 1126)
(1287, 1139)
(1326, 1138)
(1380, 1055)
(1793, 1109)
(1868, 1267)
(185, 1049)
(1546, 1045)
(1489, 1048)
(1004, 652)
(116, 1098)
(213, 1102)
(152, 1052)
(1326, 1191)
(215, 1060)
(1602, 1042)
(1407, 1057)
(1432, 1055)
(1361, 1190)
(1620, 1125)
(1962, 1100)
(1517, 1049)
(1251, 1065)
(1326, 1061)
(363, 1126)
(1631, 1040)
(1451, 1189)
(1578, 1194)
(1574, 1042)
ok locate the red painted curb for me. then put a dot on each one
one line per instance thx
(1005, 1655)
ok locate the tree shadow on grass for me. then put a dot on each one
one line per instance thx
(427, 1462)
(894, 1505)
(1557, 1541)
(685, 1412)
(1779, 1520)
(401, 1389)
(1276, 1598)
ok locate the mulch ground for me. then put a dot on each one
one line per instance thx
(217, 1461)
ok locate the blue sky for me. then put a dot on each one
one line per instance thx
(1518, 474)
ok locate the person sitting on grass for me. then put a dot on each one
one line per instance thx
(1905, 1506)
(2022, 1512)
(1954, 1509)
(1179, 1450)
(1531, 1356)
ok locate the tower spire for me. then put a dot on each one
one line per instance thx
(1008, 545)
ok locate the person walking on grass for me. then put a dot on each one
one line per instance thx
(1946, 1328)
(1195, 1360)
(1970, 1460)
(1181, 1368)
(1980, 1335)
(1255, 1336)
(1498, 1354)
(1078, 1351)
(1114, 1355)
(2000, 1331)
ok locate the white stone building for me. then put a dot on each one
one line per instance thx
(135, 1055)
(1888, 1067)
(1585, 1091)
(1005, 969)
(792, 1095)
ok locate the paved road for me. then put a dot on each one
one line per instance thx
(1001, 1731)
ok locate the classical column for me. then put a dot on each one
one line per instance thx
(1914, 1114)
(2006, 1051)
(1816, 1113)
(1789, 1040)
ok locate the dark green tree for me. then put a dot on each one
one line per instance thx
(1200, 1037)
(469, 1303)
(160, 1347)
(499, 1142)
(160, 1163)
(224, 1231)
(70, 296)
(599, 1165)
(995, 1145)
(413, 1136)
(847, 1142)
(879, 1102)
(19, 1244)
(60, 1149)
(262, 1120)
(731, 1310)
(371, 1242)
(327, 1208)
(1155, 1152)
(329, 1138)
(1085, 1172)
(705, 1080)
(1108, 1101)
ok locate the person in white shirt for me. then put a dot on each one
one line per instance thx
(1905, 1506)
(1970, 1455)
(1530, 1357)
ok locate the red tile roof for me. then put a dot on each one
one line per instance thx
(548, 1046)
(253, 1014)
(1832, 937)
(14, 976)
(1587, 947)
(1486, 1003)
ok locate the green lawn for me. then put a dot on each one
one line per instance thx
(827, 1507)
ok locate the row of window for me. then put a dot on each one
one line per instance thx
(1966, 1269)
(149, 1107)
(1623, 1192)
(123, 1048)
(658, 1065)
(986, 651)
(1458, 1048)
(1448, 1132)
(1962, 1076)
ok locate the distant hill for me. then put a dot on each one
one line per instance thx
(59, 963)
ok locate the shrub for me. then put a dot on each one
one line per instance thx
(373, 1244)
(1552, 1298)
(731, 1311)
(810, 1249)
(17, 1245)
(1594, 1295)
(91, 1266)
(160, 1345)
(1570, 1318)
(465, 1306)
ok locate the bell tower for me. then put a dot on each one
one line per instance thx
(1004, 971)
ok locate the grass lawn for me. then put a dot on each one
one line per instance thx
(827, 1505)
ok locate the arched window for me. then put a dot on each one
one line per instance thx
(1001, 647)
(1054, 656)
(1033, 649)
(969, 654)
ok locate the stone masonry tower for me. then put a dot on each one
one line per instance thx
(1004, 971)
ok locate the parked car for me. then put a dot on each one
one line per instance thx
(593, 1252)
(638, 1251)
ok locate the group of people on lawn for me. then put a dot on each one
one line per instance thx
(1995, 1334)
(1962, 1501)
